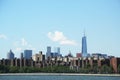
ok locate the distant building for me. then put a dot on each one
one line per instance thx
(27, 54)
(21, 56)
(51, 54)
(48, 53)
(10, 55)
(84, 46)
(56, 53)
(99, 55)
(96, 55)
(38, 57)
(69, 54)
(78, 55)
(58, 50)
(105, 55)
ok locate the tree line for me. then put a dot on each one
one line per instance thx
(58, 69)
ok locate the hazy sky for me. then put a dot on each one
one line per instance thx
(36, 24)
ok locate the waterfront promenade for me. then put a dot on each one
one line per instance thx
(56, 74)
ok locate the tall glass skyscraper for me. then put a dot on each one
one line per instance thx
(27, 54)
(84, 47)
(10, 55)
(48, 53)
(58, 50)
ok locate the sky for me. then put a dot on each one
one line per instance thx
(36, 24)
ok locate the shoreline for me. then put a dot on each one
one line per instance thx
(56, 74)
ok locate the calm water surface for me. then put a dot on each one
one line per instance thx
(58, 78)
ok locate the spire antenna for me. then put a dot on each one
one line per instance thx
(84, 32)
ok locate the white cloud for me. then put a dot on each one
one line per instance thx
(18, 49)
(58, 36)
(29, 46)
(16, 43)
(2, 36)
(70, 42)
(21, 42)
(24, 42)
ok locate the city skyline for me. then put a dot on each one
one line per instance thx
(38, 24)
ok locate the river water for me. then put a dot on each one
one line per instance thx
(61, 77)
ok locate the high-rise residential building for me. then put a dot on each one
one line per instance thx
(48, 53)
(21, 56)
(27, 54)
(84, 46)
(38, 57)
(58, 50)
(10, 55)
(51, 54)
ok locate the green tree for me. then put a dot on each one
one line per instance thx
(118, 68)
(4, 69)
(14, 69)
(95, 69)
(106, 69)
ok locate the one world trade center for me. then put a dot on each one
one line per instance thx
(84, 46)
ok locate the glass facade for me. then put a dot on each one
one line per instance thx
(48, 53)
(10, 55)
(84, 46)
(27, 54)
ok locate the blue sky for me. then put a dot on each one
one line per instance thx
(36, 24)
